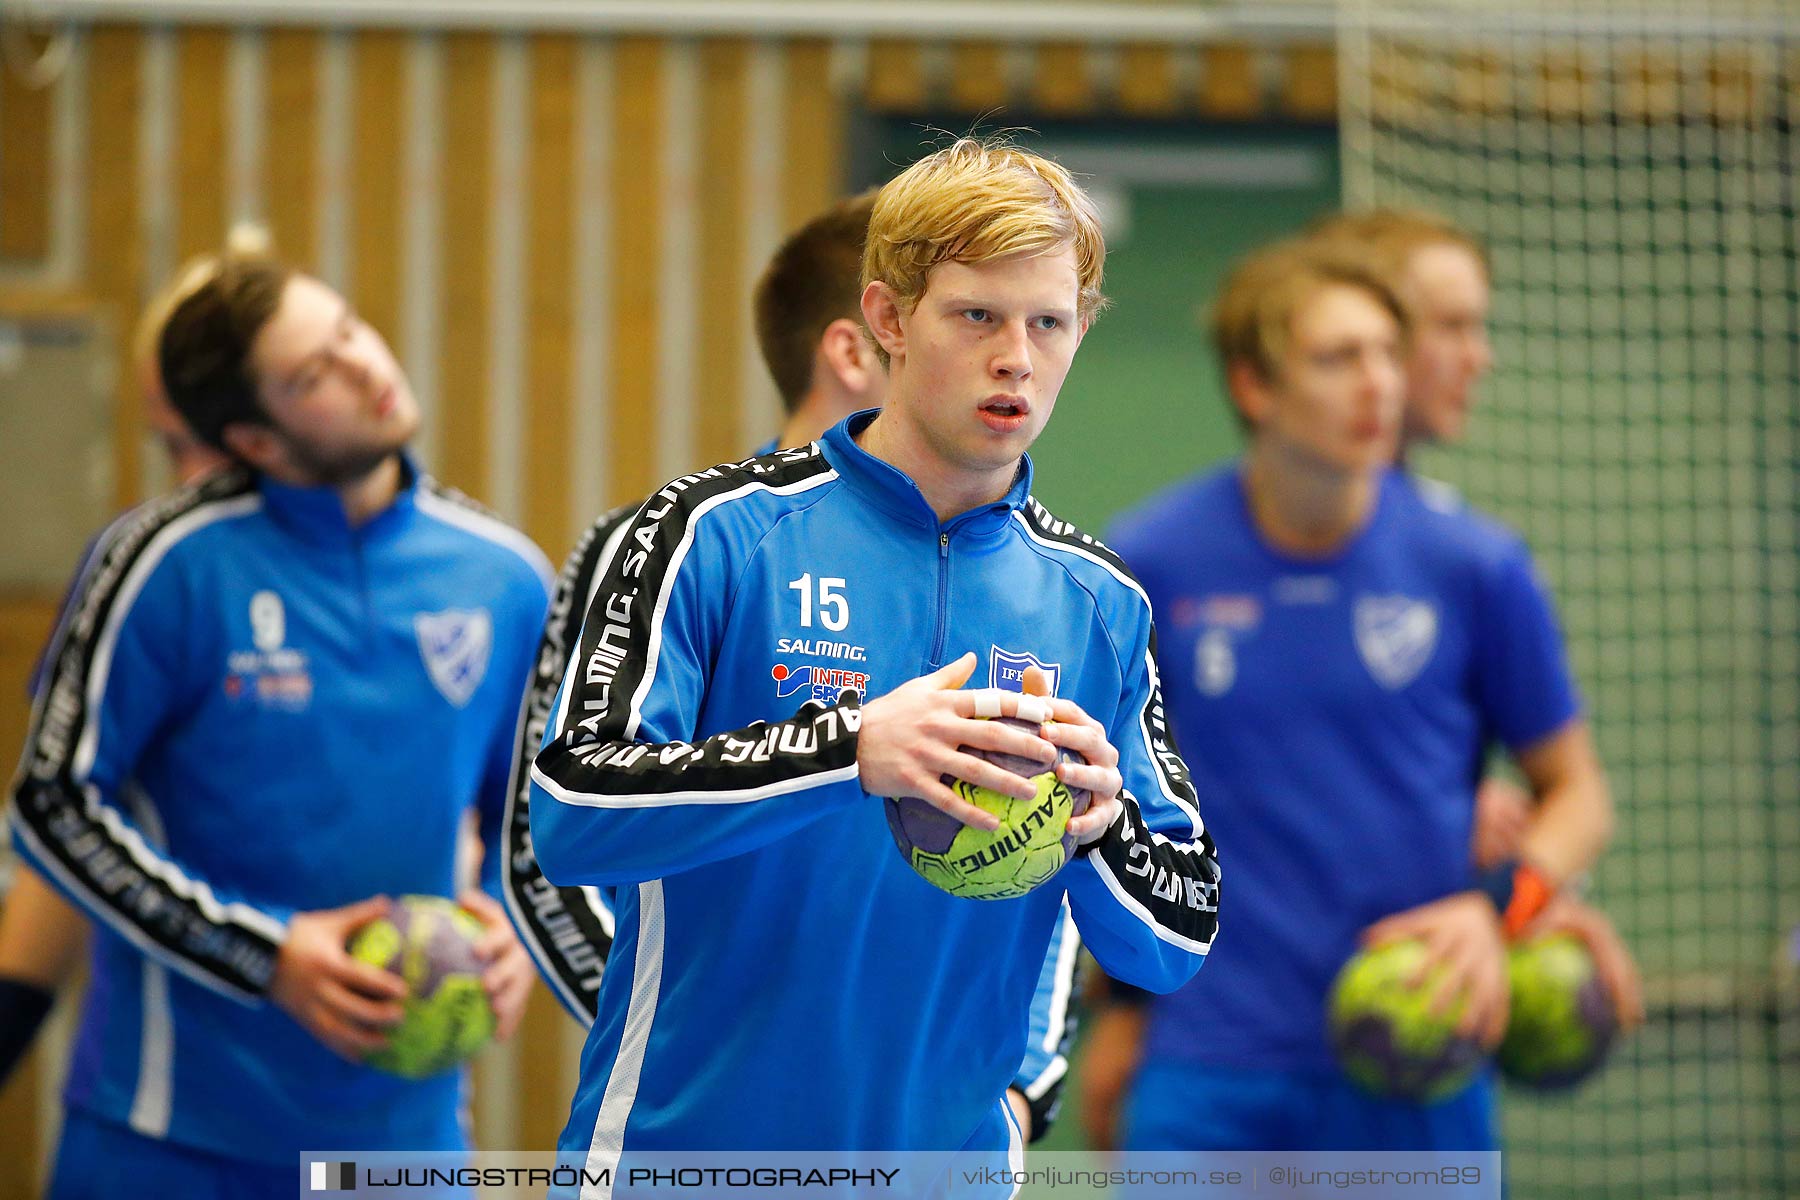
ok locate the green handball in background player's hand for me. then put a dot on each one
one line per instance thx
(1563, 1018)
(1385, 1034)
(430, 943)
(1028, 849)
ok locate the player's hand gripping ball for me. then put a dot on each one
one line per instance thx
(1563, 1019)
(430, 943)
(1030, 847)
(1386, 1036)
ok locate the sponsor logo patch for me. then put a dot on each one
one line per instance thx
(273, 676)
(819, 648)
(455, 645)
(1395, 636)
(1305, 589)
(1227, 611)
(824, 684)
(1006, 670)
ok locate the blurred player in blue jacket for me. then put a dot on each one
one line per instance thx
(1441, 274)
(764, 918)
(42, 936)
(1342, 647)
(274, 699)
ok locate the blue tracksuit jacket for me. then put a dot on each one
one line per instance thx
(700, 762)
(254, 710)
(569, 930)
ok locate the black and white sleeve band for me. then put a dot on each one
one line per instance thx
(652, 596)
(764, 759)
(1173, 886)
(73, 835)
(568, 930)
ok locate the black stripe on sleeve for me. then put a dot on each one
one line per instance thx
(1174, 885)
(595, 758)
(567, 936)
(83, 842)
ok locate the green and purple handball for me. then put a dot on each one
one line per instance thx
(1387, 1038)
(1030, 847)
(1563, 1019)
(430, 943)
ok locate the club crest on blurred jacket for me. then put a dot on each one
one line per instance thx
(455, 645)
(1395, 635)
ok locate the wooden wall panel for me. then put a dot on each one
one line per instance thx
(1147, 81)
(24, 162)
(1061, 83)
(543, 1096)
(463, 251)
(1480, 83)
(895, 78)
(291, 150)
(1649, 85)
(721, 435)
(1230, 87)
(1564, 86)
(1311, 85)
(637, 186)
(550, 298)
(24, 627)
(1739, 89)
(114, 242)
(377, 155)
(978, 79)
(201, 155)
(813, 120)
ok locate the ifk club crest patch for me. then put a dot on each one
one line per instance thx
(1006, 670)
(456, 645)
(1395, 636)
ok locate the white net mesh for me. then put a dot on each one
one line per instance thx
(1631, 168)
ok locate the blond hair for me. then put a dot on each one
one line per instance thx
(1391, 236)
(975, 200)
(1253, 318)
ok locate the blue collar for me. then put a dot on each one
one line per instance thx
(894, 492)
(315, 514)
